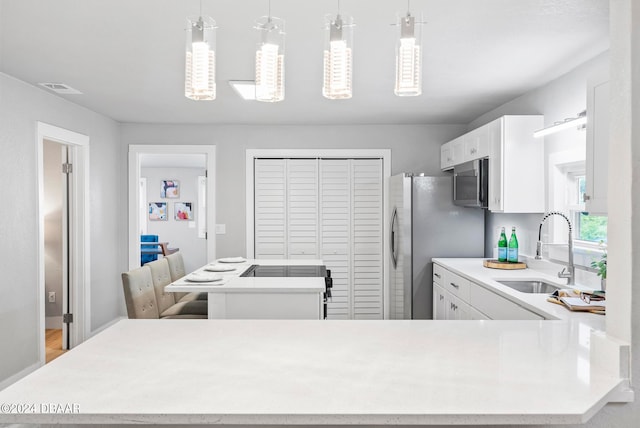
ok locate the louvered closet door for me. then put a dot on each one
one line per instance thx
(302, 208)
(270, 207)
(335, 233)
(367, 238)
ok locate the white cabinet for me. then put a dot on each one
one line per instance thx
(597, 156)
(476, 144)
(497, 307)
(516, 165)
(446, 306)
(470, 146)
(446, 156)
(452, 153)
(457, 298)
(440, 302)
(516, 161)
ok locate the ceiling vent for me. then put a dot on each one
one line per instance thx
(60, 88)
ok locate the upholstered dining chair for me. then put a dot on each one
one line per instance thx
(177, 271)
(145, 296)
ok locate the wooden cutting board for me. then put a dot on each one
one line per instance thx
(495, 264)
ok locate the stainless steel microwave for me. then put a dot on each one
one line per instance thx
(471, 184)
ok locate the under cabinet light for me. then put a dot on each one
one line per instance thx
(578, 122)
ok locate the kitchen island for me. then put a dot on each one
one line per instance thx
(312, 372)
(274, 297)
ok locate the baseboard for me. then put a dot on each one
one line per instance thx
(106, 326)
(16, 377)
(53, 322)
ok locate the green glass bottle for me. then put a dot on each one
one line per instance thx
(502, 247)
(512, 253)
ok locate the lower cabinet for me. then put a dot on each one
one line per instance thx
(456, 298)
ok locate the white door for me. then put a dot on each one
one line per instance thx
(367, 238)
(330, 209)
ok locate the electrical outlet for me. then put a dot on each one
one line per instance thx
(52, 296)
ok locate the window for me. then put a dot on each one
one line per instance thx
(588, 228)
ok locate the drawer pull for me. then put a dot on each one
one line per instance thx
(454, 285)
(437, 275)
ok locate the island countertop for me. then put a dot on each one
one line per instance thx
(232, 282)
(316, 372)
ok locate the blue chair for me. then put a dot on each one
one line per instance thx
(146, 258)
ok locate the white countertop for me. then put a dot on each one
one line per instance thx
(472, 269)
(233, 283)
(322, 372)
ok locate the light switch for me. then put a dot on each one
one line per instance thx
(192, 225)
(221, 229)
(52, 296)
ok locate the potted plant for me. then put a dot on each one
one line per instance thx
(601, 267)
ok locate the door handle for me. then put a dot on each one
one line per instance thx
(392, 240)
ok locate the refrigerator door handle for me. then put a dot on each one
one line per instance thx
(392, 241)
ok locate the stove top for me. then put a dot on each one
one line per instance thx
(285, 271)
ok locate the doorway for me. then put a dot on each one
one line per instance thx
(165, 182)
(56, 246)
(63, 241)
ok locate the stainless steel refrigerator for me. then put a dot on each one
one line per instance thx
(426, 224)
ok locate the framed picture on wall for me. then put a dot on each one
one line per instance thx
(170, 189)
(183, 210)
(158, 211)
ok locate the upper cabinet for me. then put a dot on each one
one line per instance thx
(516, 161)
(516, 165)
(471, 146)
(597, 157)
(452, 153)
(476, 144)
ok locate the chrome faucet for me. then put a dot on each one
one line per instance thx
(568, 272)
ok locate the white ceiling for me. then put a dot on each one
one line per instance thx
(127, 56)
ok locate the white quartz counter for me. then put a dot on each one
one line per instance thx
(473, 270)
(319, 372)
(232, 282)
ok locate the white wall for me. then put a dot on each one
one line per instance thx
(562, 98)
(21, 106)
(414, 148)
(178, 234)
(53, 199)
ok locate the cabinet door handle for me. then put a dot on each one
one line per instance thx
(454, 285)
(586, 197)
(441, 297)
(437, 275)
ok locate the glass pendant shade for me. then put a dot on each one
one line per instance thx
(200, 64)
(270, 59)
(408, 57)
(338, 58)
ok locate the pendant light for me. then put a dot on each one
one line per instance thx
(270, 59)
(200, 64)
(338, 59)
(408, 56)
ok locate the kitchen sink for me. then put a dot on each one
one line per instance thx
(531, 286)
